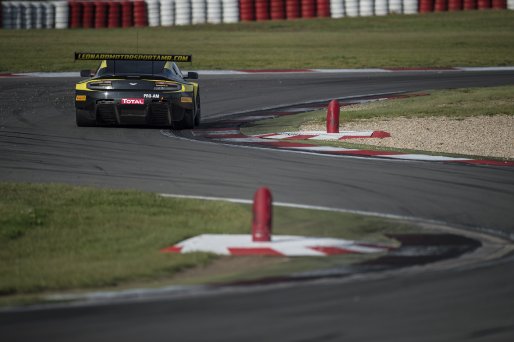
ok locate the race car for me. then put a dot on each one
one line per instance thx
(137, 89)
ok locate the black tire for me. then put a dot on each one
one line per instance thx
(188, 122)
(83, 119)
(198, 116)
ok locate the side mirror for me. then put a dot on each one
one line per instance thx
(86, 73)
(192, 75)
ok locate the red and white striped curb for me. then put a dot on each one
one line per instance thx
(320, 135)
(264, 71)
(281, 245)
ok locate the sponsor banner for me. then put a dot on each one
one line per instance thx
(96, 56)
(133, 101)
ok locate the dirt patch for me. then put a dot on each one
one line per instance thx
(491, 136)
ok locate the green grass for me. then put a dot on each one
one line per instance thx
(59, 237)
(467, 38)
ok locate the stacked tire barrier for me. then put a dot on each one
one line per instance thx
(87, 14)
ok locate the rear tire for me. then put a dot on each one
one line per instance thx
(198, 115)
(83, 119)
(188, 122)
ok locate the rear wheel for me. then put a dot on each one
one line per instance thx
(83, 118)
(188, 122)
(198, 115)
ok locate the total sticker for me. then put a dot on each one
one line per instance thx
(133, 101)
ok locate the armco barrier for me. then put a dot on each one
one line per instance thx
(510, 4)
(262, 10)
(277, 9)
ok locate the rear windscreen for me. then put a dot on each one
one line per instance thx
(134, 68)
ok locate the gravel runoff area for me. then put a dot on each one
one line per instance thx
(491, 136)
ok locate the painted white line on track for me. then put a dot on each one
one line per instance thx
(422, 157)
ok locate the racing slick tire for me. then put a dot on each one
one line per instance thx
(198, 115)
(188, 122)
(83, 118)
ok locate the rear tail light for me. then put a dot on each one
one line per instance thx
(161, 85)
(100, 85)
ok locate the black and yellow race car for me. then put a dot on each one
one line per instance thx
(137, 89)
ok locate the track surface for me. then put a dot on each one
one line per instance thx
(40, 143)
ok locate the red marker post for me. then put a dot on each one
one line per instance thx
(262, 215)
(333, 117)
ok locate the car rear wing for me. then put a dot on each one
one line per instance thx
(96, 56)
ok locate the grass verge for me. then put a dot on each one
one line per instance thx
(466, 38)
(59, 237)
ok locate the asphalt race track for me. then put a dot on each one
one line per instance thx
(39, 142)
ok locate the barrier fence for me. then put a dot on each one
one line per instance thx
(139, 13)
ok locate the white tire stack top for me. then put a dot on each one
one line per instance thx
(214, 12)
(182, 12)
(337, 9)
(154, 17)
(199, 12)
(366, 8)
(395, 7)
(49, 14)
(167, 12)
(410, 6)
(36, 11)
(351, 8)
(61, 14)
(230, 11)
(381, 7)
(6, 15)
